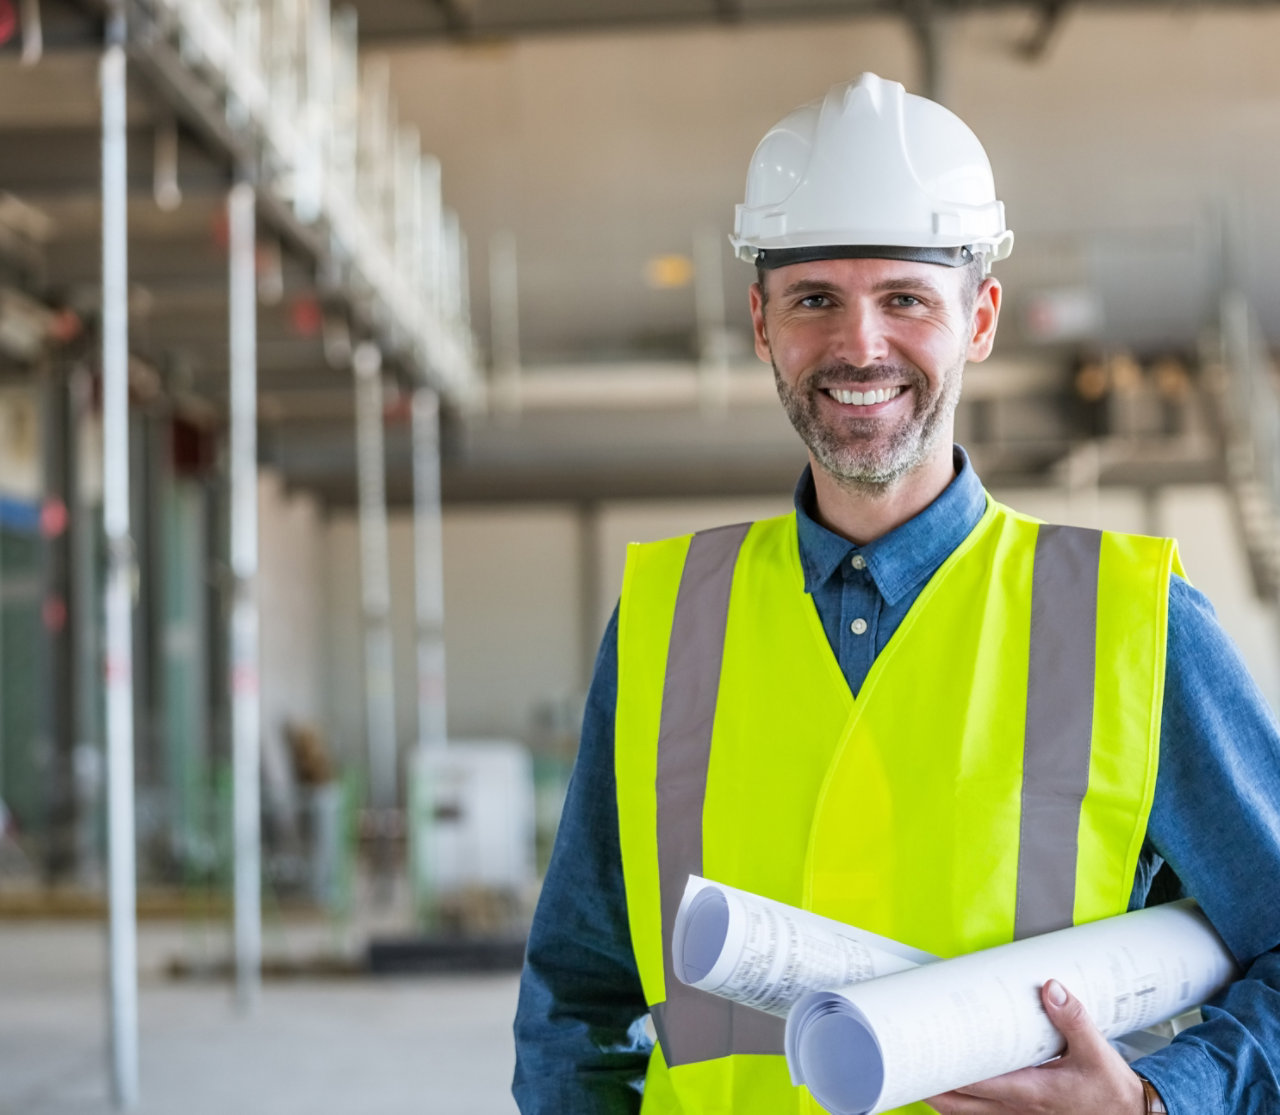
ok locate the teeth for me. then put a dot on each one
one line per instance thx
(865, 398)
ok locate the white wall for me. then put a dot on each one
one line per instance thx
(648, 520)
(512, 621)
(1199, 517)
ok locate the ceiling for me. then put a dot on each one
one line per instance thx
(591, 147)
(471, 20)
(1120, 151)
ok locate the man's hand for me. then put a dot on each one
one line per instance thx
(1090, 1078)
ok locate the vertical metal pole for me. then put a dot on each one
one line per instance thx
(85, 673)
(375, 580)
(504, 319)
(246, 713)
(708, 296)
(590, 621)
(121, 877)
(61, 800)
(428, 568)
(929, 26)
(32, 33)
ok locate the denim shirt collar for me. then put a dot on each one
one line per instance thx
(908, 555)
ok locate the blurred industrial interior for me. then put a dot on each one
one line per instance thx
(341, 353)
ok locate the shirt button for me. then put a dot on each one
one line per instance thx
(858, 561)
(858, 626)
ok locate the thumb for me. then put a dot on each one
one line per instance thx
(1070, 1018)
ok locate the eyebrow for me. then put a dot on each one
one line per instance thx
(904, 283)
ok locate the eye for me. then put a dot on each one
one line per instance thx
(905, 300)
(815, 302)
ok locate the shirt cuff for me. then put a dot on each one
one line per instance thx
(1188, 1080)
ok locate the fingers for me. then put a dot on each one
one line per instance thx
(1072, 1021)
(1090, 1078)
(1014, 1091)
(960, 1103)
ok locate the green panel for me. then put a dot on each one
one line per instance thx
(25, 752)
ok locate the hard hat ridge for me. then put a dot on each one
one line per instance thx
(876, 169)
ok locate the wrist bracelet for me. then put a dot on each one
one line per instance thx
(1155, 1105)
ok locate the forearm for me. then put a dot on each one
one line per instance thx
(1230, 1063)
(575, 1052)
(1216, 821)
(580, 1041)
(580, 1044)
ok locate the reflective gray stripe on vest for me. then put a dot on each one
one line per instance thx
(1059, 731)
(694, 1025)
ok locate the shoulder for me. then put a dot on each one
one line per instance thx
(1188, 606)
(665, 557)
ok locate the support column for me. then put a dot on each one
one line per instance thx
(246, 712)
(61, 801)
(375, 582)
(122, 867)
(86, 678)
(504, 324)
(713, 339)
(929, 28)
(428, 576)
(428, 567)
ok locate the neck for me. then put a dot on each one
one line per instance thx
(864, 512)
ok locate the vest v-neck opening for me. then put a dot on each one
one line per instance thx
(814, 622)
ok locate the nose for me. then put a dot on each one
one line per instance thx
(862, 339)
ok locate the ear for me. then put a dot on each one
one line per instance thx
(757, 322)
(986, 314)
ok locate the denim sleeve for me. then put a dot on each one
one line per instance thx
(580, 1040)
(1216, 823)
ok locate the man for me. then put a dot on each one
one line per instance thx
(905, 706)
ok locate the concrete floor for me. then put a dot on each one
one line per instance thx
(337, 1046)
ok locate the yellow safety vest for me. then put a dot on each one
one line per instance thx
(991, 780)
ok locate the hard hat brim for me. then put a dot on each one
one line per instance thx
(769, 258)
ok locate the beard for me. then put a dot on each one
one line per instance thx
(865, 452)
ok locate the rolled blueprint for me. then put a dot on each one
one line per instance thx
(767, 954)
(874, 1046)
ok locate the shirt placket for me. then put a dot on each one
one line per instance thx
(860, 605)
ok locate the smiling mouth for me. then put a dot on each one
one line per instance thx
(865, 398)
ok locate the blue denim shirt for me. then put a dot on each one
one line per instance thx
(581, 1045)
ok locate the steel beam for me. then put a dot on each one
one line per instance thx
(432, 24)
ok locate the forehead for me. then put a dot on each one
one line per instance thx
(863, 276)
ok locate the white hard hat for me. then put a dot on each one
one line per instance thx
(871, 170)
